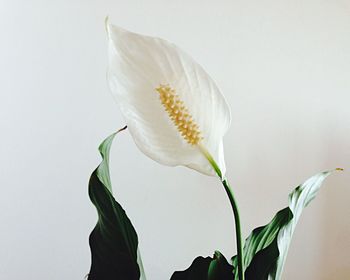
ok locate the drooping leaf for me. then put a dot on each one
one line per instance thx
(216, 268)
(113, 241)
(266, 248)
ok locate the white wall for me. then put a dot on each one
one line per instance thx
(284, 67)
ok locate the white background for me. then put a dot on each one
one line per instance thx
(284, 67)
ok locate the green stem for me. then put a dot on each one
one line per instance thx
(235, 210)
(238, 228)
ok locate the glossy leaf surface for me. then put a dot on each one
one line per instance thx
(215, 268)
(266, 248)
(113, 241)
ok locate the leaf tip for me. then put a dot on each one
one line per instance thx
(339, 169)
(121, 129)
(217, 255)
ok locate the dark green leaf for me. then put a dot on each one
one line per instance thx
(113, 241)
(266, 248)
(216, 268)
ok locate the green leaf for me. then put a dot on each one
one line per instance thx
(113, 241)
(266, 248)
(216, 268)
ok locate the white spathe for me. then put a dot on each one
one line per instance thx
(137, 66)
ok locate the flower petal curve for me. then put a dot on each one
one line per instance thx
(138, 65)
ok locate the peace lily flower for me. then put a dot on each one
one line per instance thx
(173, 109)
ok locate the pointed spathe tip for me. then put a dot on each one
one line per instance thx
(114, 31)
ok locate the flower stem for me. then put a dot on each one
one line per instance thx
(235, 210)
(238, 228)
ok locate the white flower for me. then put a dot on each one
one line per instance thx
(173, 109)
